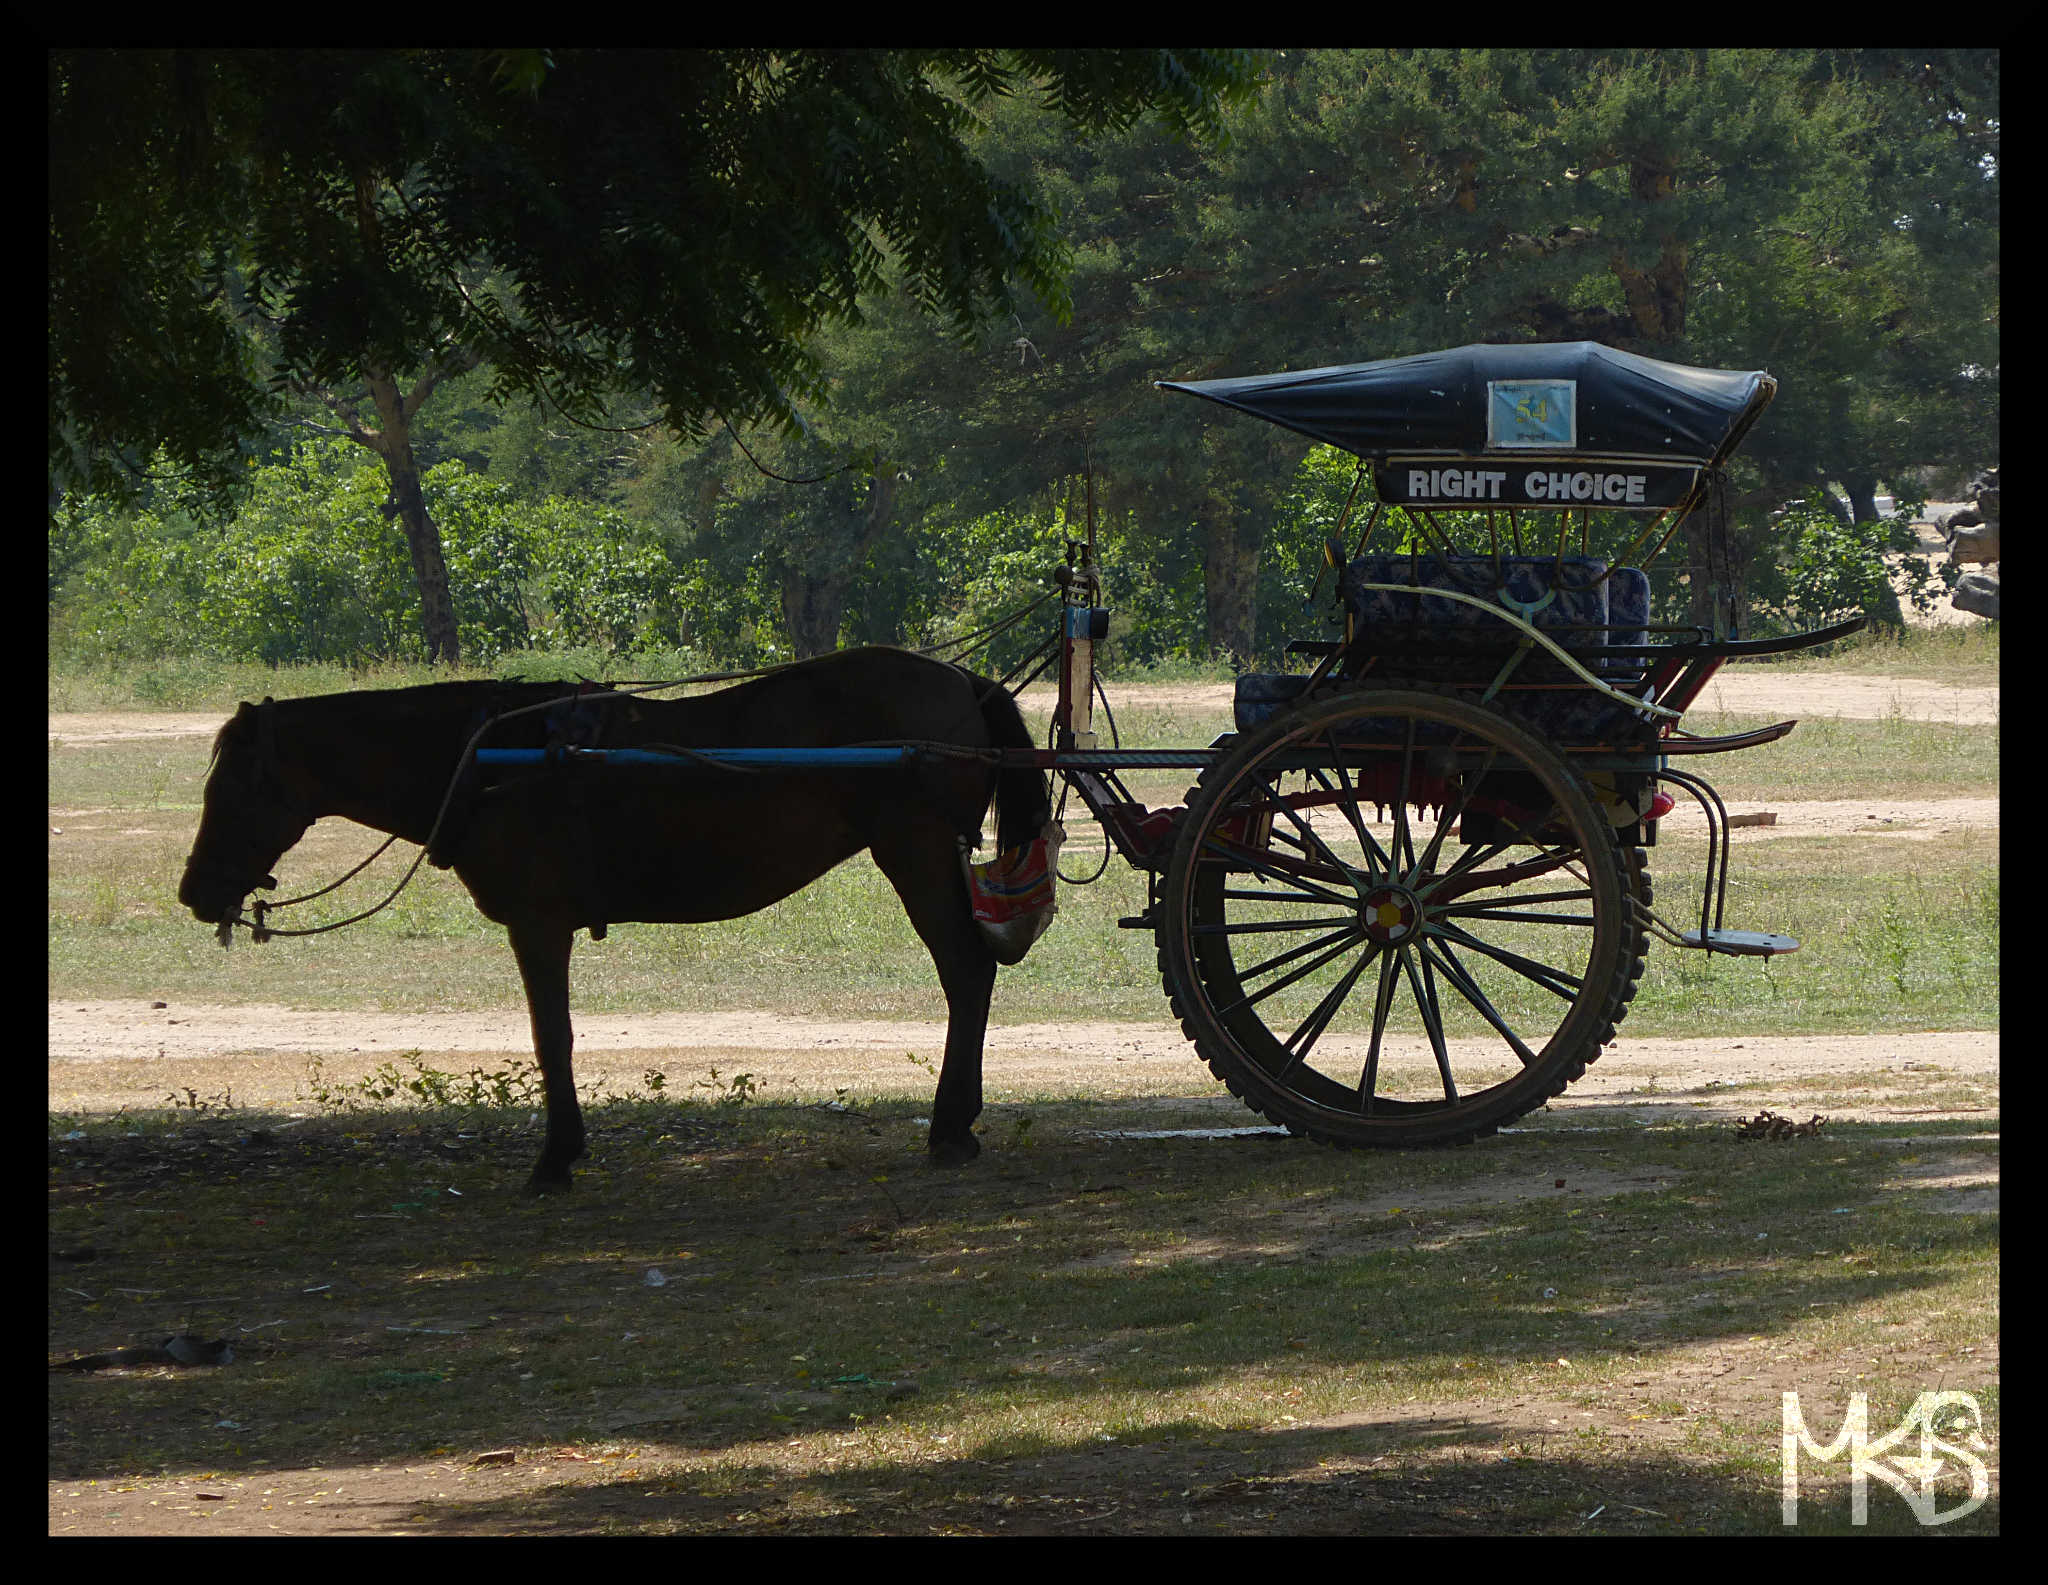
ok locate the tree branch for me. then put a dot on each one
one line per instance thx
(460, 362)
(344, 409)
(328, 429)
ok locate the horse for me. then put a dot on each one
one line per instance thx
(562, 846)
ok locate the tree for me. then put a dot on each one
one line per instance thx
(1830, 216)
(587, 224)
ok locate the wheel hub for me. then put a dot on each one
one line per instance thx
(1391, 914)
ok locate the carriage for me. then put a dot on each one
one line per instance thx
(1406, 901)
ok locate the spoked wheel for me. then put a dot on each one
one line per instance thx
(1396, 917)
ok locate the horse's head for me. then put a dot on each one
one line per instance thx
(251, 817)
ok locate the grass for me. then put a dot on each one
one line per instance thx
(1886, 945)
(1076, 1335)
(1963, 654)
(1207, 1338)
(1840, 757)
(205, 683)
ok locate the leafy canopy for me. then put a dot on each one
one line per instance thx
(590, 222)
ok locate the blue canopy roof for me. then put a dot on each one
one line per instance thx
(1569, 398)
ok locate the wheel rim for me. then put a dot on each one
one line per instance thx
(1352, 963)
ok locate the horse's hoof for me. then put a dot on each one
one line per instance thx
(954, 1152)
(538, 1185)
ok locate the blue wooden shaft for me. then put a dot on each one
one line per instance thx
(835, 758)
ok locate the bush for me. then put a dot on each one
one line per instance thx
(313, 567)
(1820, 570)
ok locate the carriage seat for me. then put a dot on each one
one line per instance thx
(1585, 611)
(1574, 603)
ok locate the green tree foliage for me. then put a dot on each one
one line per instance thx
(1831, 216)
(595, 223)
(1824, 569)
(306, 570)
(353, 189)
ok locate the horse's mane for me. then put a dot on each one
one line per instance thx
(220, 738)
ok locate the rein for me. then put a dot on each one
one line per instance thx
(260, 932)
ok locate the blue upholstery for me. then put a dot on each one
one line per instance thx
(1585, 611)
(1581, 599)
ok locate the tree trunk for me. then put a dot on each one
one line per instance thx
(1862, 492)
(422, 538)
(813, 606)
(1861, 489)
(1713, 578)
(1230, 581)
(1837, 507)
(814, 592)
(394, 445)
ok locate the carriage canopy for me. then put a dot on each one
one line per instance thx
(1547, 424)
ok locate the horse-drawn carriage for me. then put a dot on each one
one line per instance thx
(1406, 901)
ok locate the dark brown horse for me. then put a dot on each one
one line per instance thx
(548, 850)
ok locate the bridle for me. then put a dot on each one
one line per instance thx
(266, 772)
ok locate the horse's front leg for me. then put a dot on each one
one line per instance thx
(543, 953)
(921, 861)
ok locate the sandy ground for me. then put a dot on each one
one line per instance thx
(1792, 696)
(104, 1055)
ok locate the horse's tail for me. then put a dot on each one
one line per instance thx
(1023, 802)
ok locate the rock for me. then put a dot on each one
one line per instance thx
(1975, 545)
(1977, 593)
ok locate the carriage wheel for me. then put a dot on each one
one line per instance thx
(1396, 917)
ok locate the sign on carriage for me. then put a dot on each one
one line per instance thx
(1497, 481)
(1523, 415)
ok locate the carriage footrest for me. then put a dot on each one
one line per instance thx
(1741, 943)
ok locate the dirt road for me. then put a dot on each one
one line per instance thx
(112, 1053)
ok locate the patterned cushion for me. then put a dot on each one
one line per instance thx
(1628, 613)
(1584, 611)
(1576, 599)
(1261, 696)
(1568, 715)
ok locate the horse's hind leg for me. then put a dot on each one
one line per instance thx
(543, 953)
(922, 862)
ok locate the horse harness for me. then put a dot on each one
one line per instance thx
(574, 721)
